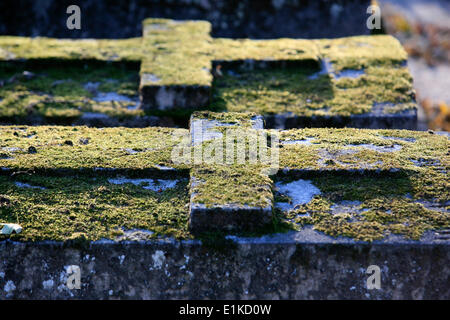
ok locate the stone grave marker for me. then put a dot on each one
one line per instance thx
(360, 81)
(244, 175)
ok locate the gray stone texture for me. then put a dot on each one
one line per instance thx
(243, 270)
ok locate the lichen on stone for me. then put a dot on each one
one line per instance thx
(176, 52)
(64, 95)
(76, 148)
(287, 50)
(78, 207)
(391, 185)
(292, 91)
(24, 48)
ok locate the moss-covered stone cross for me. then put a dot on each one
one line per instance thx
(405, 168)
(355, 82)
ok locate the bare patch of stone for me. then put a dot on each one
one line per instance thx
(9, 151)
(130, 151)
(92, 87)
(135, 235)
(421, 162)
(326, 67)
(300, 192)
(149, 184)
(349, 209)
(203, 130)
(28, 186)
(112, 96)
(442, 235)
(330, 157)
(94, 115)
(435, 206)
(443, 133)
(349, 73)
(158, 26)
(164, 168)
(305, 142)
(12, 149)
(151, 78)
(392, 148)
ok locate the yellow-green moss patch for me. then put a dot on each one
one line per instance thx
(370, 208)
(238, 185)
(89, 148)
(19, 48)
(177, 52)
(64, 94)
(90, 208)
(362, 149)
(404, 188)
(295, 91)
(362, 51)
(264, 50)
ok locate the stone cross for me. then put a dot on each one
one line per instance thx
(358, 81)
(354, 82)
(232, 190)
(182, 63)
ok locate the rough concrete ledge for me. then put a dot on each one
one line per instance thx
(401, 120)
(302, 266)
(229, 217)
(156, 97)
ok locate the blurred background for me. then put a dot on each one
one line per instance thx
(422, 26)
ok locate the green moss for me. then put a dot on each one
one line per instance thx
(19, 48)
(297, 91)
(241, 119)
(388, 205)
(90, 208)
(241, 185)
(341, 146)
(77, 206)
(271, 92)
(64, 93)
(177, 52)
(180, 53)
(223, 177)
(268, 50)
(362, 51)
(392, 201)
(278, 91)
(92, 148)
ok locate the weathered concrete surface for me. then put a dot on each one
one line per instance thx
(295, 266)
(193, 97)
(228, 217)
(373, 120)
